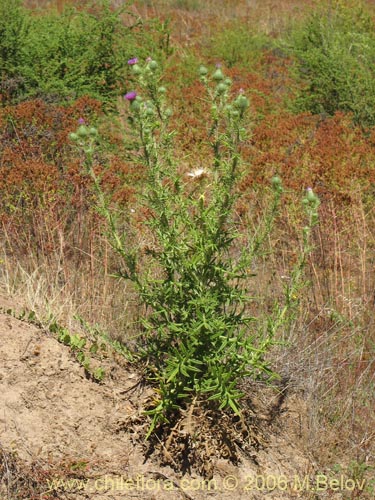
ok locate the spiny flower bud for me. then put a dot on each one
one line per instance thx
(310, 195)
(135, 106)
(221, 88)
(82, 131)
(73, 137)
(203, 71)
(153, 65)
(218, 76)
(149, 111)
(162, 90)
(311, 200)
(93, 131)
(136, 69)
(276, 181)
(241, 102)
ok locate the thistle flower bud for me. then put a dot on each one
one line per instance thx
(93, 131)
(241, 102)
(218, 76)
(149, 111)
(136, 69)
(310, 195)
(153, 65)
(221, 88)
(203, 71)
(277, 184)
(82, 131)
(162, 90)
(168, 112)
(135, 106)
(73, 137)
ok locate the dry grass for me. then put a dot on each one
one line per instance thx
(329, 350)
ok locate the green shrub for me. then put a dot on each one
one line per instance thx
(237, 44)
(334, 51)
(78, 52)
(13, 31)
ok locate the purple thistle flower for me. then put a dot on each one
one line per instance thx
(130, 96)
(149, 59)
(81, 121)
(133, 61)
(218, 65)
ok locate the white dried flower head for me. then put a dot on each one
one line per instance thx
(198, 173)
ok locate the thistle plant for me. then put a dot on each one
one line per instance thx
(197, 338)
(285, 313)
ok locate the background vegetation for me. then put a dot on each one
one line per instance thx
(308, 70)
(64, 55)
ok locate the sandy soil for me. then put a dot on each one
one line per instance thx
(50, 413)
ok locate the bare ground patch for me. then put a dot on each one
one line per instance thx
(58, 425)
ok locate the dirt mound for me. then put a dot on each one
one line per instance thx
(72, 437)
